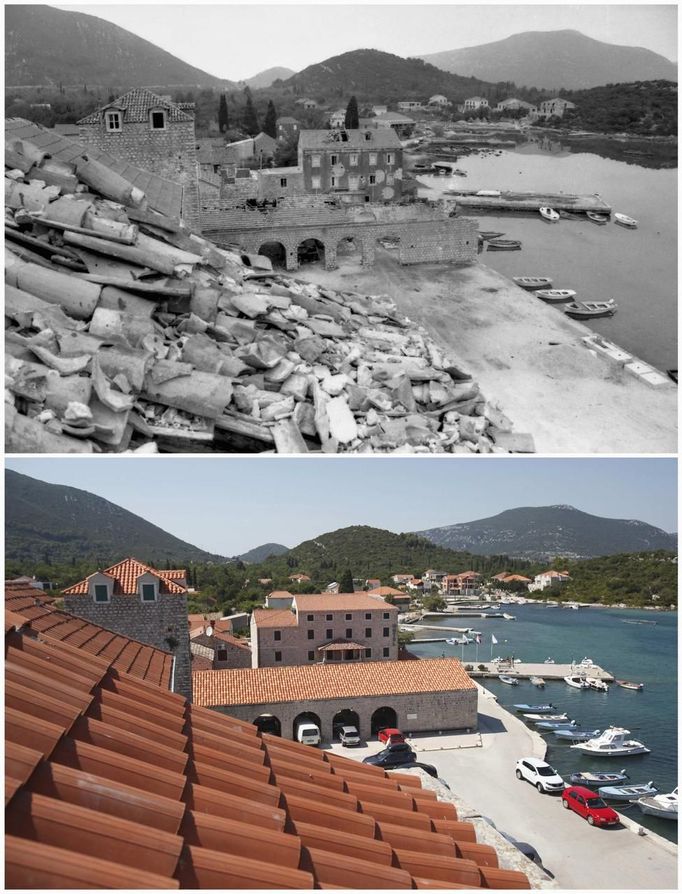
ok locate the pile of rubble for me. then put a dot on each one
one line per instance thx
(127, 332)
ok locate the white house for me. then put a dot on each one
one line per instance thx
(549, 579)
(439, 100)
(337, 118)
(556, 106)
(474, 103)
(514, 105)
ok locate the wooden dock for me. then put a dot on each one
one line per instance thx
(529, 201)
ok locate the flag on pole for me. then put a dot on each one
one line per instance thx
(478, 639)
(493, 640)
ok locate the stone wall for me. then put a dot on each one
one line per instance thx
(236, 656)
(149, 622)
(418, 712)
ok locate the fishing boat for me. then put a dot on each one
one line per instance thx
(626, 684)
(568, 215)
(504, 244)
(490, 193)
(600, 219)
(613, 742)
(549, 661)
(540, 718)
(536, 709)
(594, 683)
(510, 681)
(625, 221)
(577, 682)
(549, 214)
(556, 295)
(628, 792)
(532, 282)
(574, 735)
(555, 724)
(582, 310)
(593, 780)
(489, 234)
(459, 641)
(538, 681)
(662, 806)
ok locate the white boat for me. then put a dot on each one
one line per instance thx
(613, 742)
(628, 792)
(538, 681)
(537, 716)
(510, 681)
(582, 310)
(625, 221)
(577, 682)
(627, 684)
(599, 685)
(491, 193)
(549, 661)
(662, 806)
(533, 282)
(549, 214)
(556, 295)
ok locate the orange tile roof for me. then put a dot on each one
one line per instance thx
(299, 577)
(274, 617)
(125, 575)
(517, 577)
(342, 602)
(265, 685)
(51, 625)
(112, 781)
(386, 591)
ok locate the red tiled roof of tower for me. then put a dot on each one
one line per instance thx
(264, 685)
(136, 105)
(125, 575)
(342, 602)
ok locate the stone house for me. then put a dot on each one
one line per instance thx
(364, 166)
(402, 124)
(320, 628)
(439, 101)
(337, 118)
(554, 107)
(474, 103)
(410, 105)
(515, 105)
(260, 148)
(307, 103)
(152, 133)
(379, 110)
(141, 602)
(288, 129)
(218, 651)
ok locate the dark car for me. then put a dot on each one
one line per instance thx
(398, 755)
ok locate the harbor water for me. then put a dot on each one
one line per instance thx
(643, 653)
(638, 268)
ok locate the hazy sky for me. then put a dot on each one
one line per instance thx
(228, 505)
(238, 41)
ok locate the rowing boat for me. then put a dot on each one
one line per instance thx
(556, 295)
(581, 310)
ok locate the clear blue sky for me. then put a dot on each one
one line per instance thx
(228, 505)
(236, 41)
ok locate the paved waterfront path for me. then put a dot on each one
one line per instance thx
(578, 855)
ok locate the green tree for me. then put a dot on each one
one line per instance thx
(270, 123)
(223, 118)
(346, 582)
(250, 118)
(352, 121)
(434, 603)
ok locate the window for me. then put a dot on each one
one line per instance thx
(334, 159)
(221, 654)
(278, 656)
(333, 181)
(329, 634)
(311, 656)
(387, 615)
(310, 617)
(328, 618)
(282, 181)
(385, 651)
(316, 161)
(368, 632)
(311, 634)
(372, 179)
(389, 158)
(368, 653)
(372, 158)
(148, 592)
(368, 616)
(112, 121)
(368, 136)
(315, 183)
(349, 617)
(277, 635)
(349, 632)
(158, 120)
(387, 631)
(101, 593)
(354, 157)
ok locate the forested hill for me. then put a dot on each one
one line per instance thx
(642, 107)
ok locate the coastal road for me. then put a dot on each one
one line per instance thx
(578, 855)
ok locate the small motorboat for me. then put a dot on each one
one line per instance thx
(541, 718)
(600, 219)
(510, 681)
(662, 806)
(549, 661)
(625, 221)
(538, 681)
(627, 684)
(555, 724)
(459, 641)
(628, 792)
(556, 295)
(537, 709)
(533, 282)
(592, 780)
(594, 683)
(489, 234)
(549, 214)
(577, 682)
(489, 193)
(613, 742)
(581, 310)
(573, 735)
(504, 244)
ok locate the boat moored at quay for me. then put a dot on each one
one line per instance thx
(613, 742)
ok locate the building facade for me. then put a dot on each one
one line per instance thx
(220, 650)
(554, 107)
(321, 628)
(474, 103)
(288, 129)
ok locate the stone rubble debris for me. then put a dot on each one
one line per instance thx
(126, 332)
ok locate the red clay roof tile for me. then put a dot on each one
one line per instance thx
(125, 575)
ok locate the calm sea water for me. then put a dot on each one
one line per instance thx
(641, 652)
(636, 267)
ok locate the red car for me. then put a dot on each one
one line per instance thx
(391, 736)
(590, 806)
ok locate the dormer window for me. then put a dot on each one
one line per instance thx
(101, 593)
(148, 592)
(157, 119)
(112, 120)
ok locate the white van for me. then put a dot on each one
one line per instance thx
(307, 733)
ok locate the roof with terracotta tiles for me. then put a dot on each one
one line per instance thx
(274, 617)
(136, 105)
(217, 638)
(355, 140)
(265, 685)
(112, 781)
(342, 602)
(24, 610)
(125, 575)
(386, 591)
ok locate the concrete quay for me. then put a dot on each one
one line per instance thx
(549, 672)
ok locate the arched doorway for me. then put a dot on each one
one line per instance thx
(383, 718)
(349, 251)
(276, 252)
(308, 716)
(268, 723)
(310, 251)
(346, 717)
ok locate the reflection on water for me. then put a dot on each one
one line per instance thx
(632, 151)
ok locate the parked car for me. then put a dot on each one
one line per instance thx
(398, 755)
(526, 849)
(540, 774)
(349, 735)
(390, 735)
(590, 806)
